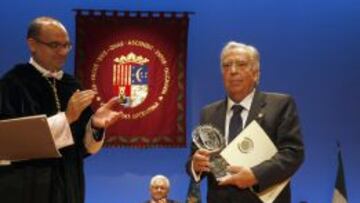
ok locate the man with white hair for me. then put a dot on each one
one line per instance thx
(159, 190)
(276, 113)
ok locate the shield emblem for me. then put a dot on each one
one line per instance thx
(130, 79)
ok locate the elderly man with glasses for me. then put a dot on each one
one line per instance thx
(159, 190)
(276, 113)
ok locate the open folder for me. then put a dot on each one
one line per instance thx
(251, 147)
(26, 138)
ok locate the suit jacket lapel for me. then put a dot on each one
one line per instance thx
(255, 110)
(220, 119)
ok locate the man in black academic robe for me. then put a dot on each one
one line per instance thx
(40, 87)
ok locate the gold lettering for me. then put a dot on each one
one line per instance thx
(140, 43)
(161, 57)
(142, 114)
(116, 45)
(166, 81)
(101, 56)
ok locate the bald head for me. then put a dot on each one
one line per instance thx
(35, 27)
(48, 42)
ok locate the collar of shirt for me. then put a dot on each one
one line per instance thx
(245, 103)
(46, 73)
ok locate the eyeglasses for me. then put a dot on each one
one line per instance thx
(56, 45)
(238, 65)
(159, 187)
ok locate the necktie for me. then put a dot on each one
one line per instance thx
(236, 122)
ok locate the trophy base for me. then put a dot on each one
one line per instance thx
(218, 166)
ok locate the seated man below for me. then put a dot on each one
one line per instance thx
(159, 190)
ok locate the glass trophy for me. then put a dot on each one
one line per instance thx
(209, 138)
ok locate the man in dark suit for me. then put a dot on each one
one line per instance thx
(276, 114)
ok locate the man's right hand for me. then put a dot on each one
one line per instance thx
(200, 161)
(77, 103)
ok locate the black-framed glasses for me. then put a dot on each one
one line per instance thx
(56, 45)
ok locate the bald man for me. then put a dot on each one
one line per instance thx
(41, 87)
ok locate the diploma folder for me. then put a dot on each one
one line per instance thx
(26, 138)
(251, 147)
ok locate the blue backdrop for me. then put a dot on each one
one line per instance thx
(309, 49)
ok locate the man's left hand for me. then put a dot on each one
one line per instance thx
(242, 177)
(105, 115)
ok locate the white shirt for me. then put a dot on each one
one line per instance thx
(46, 73)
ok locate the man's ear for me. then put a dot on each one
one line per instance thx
(31, 44)
(256, 75)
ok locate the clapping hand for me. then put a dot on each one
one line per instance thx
(105, 115)
(77, 103)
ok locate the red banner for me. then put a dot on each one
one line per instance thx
(139, 57)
